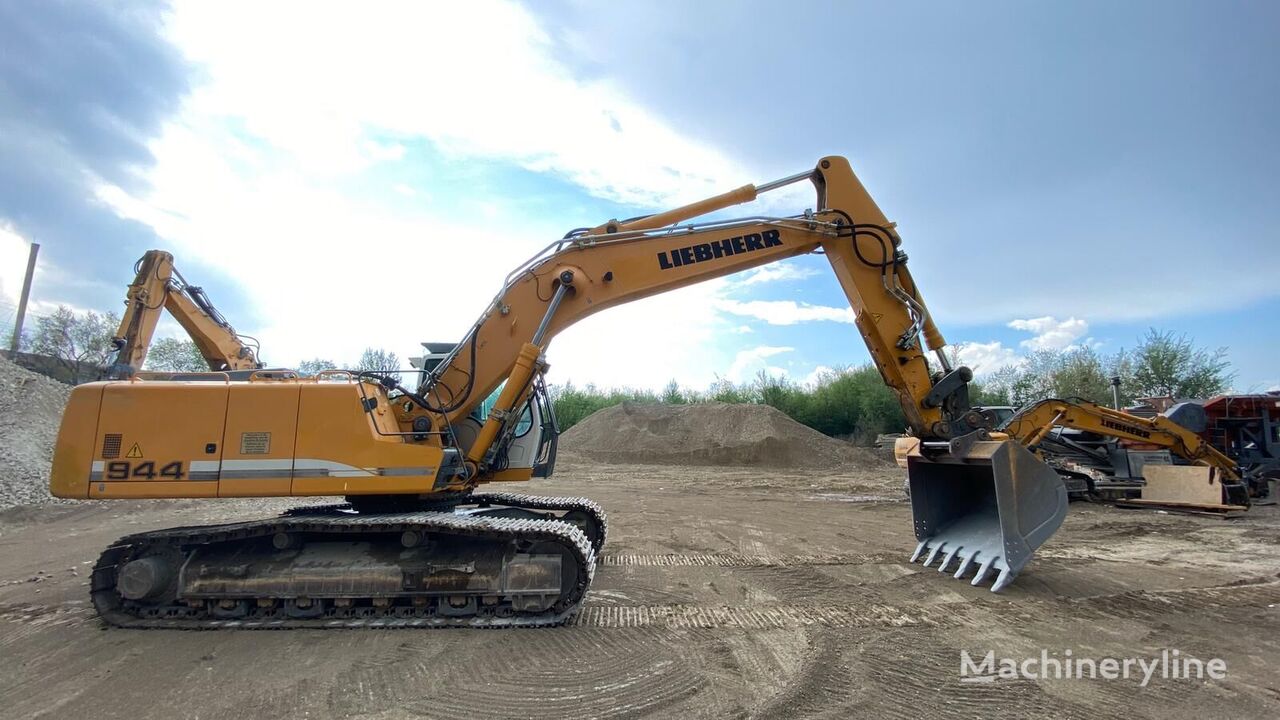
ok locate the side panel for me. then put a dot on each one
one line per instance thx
(340, 450)
(74, 454)
(257, 446)
(159, 439)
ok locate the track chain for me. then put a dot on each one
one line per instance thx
(333, 519)
(549, 502)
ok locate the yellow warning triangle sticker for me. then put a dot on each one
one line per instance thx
(134, 452)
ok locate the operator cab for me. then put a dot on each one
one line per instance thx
(531, 444)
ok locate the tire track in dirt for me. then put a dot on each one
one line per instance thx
(572, 674)
(761, 618)
(818, 685)
(1147, 604)
(915, 676)
(739, 560)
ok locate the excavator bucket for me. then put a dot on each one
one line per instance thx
(988, 504)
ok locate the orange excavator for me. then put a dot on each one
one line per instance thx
(416, 543)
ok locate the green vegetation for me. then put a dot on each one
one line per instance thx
(1160, 364)
(174, 355)
(80, 342)
(853, 402)
(572, 404)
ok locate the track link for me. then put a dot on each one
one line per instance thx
(381, 611)
(548, 502)
(482, 501)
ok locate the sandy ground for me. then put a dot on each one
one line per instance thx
(722, 593)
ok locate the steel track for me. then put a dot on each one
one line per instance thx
(379, 527)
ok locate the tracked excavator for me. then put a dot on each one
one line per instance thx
(158, 286)
(1037, 426)
(416, 543)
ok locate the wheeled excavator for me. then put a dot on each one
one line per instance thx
(416, 543)
(158, 286)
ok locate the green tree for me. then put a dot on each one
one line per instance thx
(1168, 364)
(573, 404)
(81, 342)
(379, 360)
(308, 368)
(672, 395)
(173, 355)
(726, 391)
(1080, 373)
(989, 391)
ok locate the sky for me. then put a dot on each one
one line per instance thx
(344, 176)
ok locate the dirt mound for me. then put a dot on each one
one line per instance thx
(30, 412)
(706, 434)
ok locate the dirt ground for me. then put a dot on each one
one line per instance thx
(722, 593)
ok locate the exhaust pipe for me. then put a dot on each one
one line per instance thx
(989, 504)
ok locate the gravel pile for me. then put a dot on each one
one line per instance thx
(706, 434)
(30, 412)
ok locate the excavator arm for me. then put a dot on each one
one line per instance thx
(159, 286)
(1033, 423)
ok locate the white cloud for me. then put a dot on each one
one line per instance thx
(777, 272)
(785, 312)
(742, 330)
(254, 177)
(988, 357)
(1048, 333)
(747, 364)
(645, 343)
(480, 79)
(819, 373)
(1051, 333)
(14, 250)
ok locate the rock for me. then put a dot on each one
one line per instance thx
(30, 412)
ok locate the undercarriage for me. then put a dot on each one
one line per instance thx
(490, 560)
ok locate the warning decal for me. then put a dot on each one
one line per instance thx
(134, 452)
(255, 443)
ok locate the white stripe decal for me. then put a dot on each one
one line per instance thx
(286, 464)
(278, 468)
(334, 469)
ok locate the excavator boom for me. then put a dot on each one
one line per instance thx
(159, 286)
(409, 459)
(1032, 424)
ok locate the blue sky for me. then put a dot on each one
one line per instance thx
(1061, 174)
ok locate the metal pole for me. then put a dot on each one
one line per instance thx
(22, 302)
(1115, 392)
(762, 189)
(551, 308)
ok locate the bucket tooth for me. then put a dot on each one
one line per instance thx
(982, 571)
(946, 559)
(919, 549)
(991, 503)
(1002, 580)
(933, 553)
